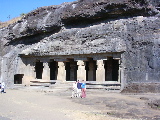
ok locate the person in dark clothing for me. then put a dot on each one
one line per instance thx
(79, 88)
(2, 87)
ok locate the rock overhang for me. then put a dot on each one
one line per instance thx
(89, 40)
(108, 36)
(54, 18)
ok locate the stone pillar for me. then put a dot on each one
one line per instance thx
(73, 71)
(123, 78)
(81, 72)
(28, 69)
(33, 71)
(100, 72)
(28, 75)
(46, 71)
(61, 72)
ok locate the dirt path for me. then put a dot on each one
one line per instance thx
(27, 104)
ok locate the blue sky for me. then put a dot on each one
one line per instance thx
(13, 8)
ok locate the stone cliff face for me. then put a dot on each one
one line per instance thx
(76, 14)
(130, 27)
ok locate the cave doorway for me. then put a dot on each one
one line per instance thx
(39, 69)
(91, 70)
(67, 68)
(18, 78)
(111, 69)
(71, 70)
(53, 70)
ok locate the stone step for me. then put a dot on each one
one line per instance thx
(44, 81)
(17, 86)
(103, 87)
(68, 85)
(40, 84)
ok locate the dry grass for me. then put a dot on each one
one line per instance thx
(5, 24)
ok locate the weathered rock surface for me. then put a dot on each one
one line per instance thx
(53, 18)
(131, 27)
(155, 104)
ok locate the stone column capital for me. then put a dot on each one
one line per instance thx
(80, 63)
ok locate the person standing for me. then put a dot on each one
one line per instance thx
(74, 89)
(83, 86)
(79, 88)
(3, 87)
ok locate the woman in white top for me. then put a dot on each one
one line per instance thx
(74, 89)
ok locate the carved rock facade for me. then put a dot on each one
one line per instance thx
(104, 41)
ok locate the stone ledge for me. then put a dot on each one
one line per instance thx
(142, 88)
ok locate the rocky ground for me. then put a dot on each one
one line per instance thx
(142, 106)
(56, 104)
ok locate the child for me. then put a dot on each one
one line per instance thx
(74, 89)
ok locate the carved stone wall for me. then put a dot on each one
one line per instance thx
(128, 27)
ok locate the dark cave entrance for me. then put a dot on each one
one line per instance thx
(53, 70)
(91, 70)
(71, 70)
(39, 69)
(111, 69)
(18, 78)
